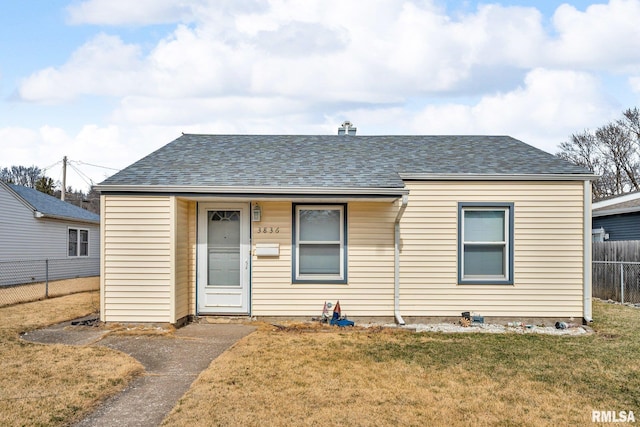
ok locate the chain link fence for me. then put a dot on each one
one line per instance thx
(617, 281)
(30, 280)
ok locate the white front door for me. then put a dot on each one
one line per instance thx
(223, 258)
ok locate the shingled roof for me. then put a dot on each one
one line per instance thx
(50, 207)
(333, 161)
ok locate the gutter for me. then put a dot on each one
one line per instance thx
(496, 177)
(586, 303)
(396, 275)
(253, 190)
(619, 211)
(38, 214)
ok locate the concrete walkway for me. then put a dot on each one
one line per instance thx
(172, 363)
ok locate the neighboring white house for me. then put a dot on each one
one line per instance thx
(37, 227)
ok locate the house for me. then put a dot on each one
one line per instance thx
(616, 218)
(37, 227)
(400, 227)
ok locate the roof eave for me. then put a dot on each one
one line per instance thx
(609, 212)
(496, 177)
(616, 200)
(206, 189)
(39, 214)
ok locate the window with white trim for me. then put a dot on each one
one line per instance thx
(319, 243)
(485, 243)
(78, 242)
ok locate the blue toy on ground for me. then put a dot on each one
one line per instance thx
(337, 318)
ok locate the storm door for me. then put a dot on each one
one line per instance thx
(223, 259)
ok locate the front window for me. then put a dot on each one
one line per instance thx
(485, 234)
(78, 242)
(319, 247)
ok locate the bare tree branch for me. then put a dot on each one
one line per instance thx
(612, 151)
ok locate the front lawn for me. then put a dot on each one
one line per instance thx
(49, 385)
(331, 376)
(310, 375)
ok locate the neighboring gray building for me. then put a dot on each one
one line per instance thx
(617, 218)
(35, 227)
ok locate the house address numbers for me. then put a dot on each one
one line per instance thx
(267, 230)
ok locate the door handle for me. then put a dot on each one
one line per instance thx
(246, 264)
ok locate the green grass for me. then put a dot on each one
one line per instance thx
(604, 365)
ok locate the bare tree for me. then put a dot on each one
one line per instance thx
(22, 175)
(612, 152)
(34, 177)
(620, 152)
(631, 123)
(583, 150)
(89, 201)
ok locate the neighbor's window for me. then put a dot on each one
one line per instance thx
(78, 242)
(319, 243)
(485, 234)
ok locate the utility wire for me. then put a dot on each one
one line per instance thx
(81, 174)
(49, 167)
(80, 162)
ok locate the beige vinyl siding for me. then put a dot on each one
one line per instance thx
(137, 268)
(271, 292)
(192, 256)
(369, 291)
(184, 260)
(148, 270)
(548, 250)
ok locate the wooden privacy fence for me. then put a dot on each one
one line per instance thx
(616, 271)
(623, 250)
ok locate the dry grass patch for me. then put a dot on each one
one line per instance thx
(54, 384)
(36, 291)
(302, 376)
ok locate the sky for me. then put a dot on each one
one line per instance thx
(106, 82)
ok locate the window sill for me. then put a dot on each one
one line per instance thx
(319, 281)
(485, 282)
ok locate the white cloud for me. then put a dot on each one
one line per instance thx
(605, 36)
(46, 146)
(550, 106)
(319, 50)
(283, 66)
(192, 111)
(331, 51)
(102, 66)
(124, 12)
(150, 12)
(302, 39)
(18, 143)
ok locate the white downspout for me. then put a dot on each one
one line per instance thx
(396, 278)
(586, 303)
